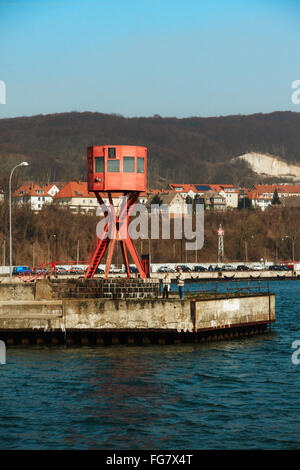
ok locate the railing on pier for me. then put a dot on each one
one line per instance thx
(51, 270)
(37, 272)
(227, 287)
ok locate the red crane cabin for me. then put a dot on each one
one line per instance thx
(119, 168)
(116, 168)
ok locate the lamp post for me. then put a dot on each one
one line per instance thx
(220, 232)
(33, 254)
(3, 252)
(10, 227)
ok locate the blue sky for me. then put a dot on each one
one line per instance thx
(145, 57)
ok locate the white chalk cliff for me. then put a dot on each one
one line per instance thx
(269, 165)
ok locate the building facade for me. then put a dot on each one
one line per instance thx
(35, 195)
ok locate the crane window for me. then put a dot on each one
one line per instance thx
(128, 164)
(140, 165)
(99, 165)
(111, 152)
(113, 166)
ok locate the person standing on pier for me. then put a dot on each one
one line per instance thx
(166, 286)
(180, 283)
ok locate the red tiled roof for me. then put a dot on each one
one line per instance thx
(192, 187)
(216, 187)
(266, 188)
(229, 186)
(253, 194)
(47, 187)
(159, 191)
(289, 188)
(30, 189)
(185, 187)
(281, 188)
(74, 189)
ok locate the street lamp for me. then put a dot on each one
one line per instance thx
(3, 252)
(10, 227)
(220, 232)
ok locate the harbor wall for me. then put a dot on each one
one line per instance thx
(17, 291)
(129, 315)
(144, 315)
(44, 289)
(226, 313)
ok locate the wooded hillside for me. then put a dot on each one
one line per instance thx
(180, 150)
(266, 233)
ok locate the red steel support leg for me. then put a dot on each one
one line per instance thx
(135, 257)
(97, 256)
(128, 242)
(101, 245)
(116, 229)
(112, 231)
(125, 257)
(102, 203)
(110, 252)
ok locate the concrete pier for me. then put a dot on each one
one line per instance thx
(32, 314)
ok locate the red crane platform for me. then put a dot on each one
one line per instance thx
(121, 169)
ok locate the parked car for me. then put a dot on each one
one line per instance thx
(214, 267)
(133, 269)
(278, 267)
(184, 268)
(291, 266)
(228, 267)
(242, 267)
(40, 271)
(76, 270)
(285, 268)
(275, 267)
(61, 270)
(98, 271)
(21, 269)
(165, 269)
(115, 271)
(198, 269)
(257, 267)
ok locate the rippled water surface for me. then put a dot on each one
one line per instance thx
(226, 395)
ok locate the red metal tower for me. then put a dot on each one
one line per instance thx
(116, 169)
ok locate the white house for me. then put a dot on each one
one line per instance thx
(35, 195)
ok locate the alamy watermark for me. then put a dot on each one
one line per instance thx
(295, 359)
(2, 352)
(296, 94)
(146, 224)
(2, 92)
